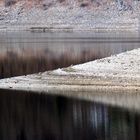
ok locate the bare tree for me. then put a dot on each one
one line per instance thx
(9, 2)
(124, 5)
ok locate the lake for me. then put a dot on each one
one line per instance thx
(24, 53)
(33, 116)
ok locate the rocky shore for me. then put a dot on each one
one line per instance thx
(67, 17)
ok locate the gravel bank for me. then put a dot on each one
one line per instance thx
(60, 17)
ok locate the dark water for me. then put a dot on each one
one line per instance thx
(27, 116)
(25, 53)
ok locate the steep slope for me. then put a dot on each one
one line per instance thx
(71, 14)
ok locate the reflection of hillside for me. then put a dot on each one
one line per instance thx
(25, 53)
(29, 61)
(40, 117)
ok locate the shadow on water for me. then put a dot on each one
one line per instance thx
(29, 116)
(25, 53)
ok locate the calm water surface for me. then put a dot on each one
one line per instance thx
(26, 53)
(27, 116)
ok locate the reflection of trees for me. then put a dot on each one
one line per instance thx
(123, 124)
(124, 4)
(30, 53)
(38, 117)
(12, 64)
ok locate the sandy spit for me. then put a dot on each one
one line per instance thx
(112, 74)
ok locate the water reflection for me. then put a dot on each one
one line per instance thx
(27, 116)
(25, 52)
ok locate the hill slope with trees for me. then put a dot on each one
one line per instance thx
(74, 14)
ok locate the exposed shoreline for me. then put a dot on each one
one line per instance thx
(40, 28)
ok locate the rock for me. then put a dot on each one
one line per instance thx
(1, 18)
(84, 4)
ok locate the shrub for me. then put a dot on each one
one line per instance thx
(9, 2)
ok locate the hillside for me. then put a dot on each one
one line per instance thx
(71, 14)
